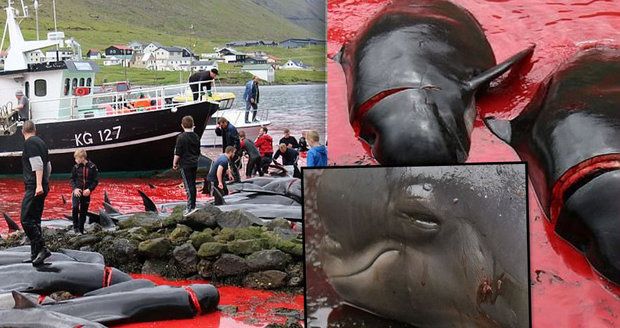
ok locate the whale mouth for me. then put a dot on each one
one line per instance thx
(377, 257)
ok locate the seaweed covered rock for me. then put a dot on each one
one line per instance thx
(211, 249)
(200, 237)
(186, 257)
(149, 221)
(180, 234)
(268, 259)
(229, 265)
(157, 247)
(237, 219)
(203, 218)
(245, 247)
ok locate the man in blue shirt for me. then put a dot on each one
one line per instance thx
(219, 168)
(251, 96)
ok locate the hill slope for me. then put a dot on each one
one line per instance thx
(99, 23)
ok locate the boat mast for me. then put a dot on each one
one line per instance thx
(36, 16)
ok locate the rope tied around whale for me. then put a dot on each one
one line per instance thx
(577, 176)
(107, 276)
(194, 299)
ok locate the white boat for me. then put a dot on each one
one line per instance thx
(236, 116)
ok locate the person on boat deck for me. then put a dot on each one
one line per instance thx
(289, 157)
(219, 169)
(230, 137)
(251, 96)
(83, 183)
(206, 81)
(289, 140)
(264, 143)
(249, 148)
(37, 169)
(303, 145)
(186, 154)
(23, 106)
(317, 155)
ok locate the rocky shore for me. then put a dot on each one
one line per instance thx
(222, 247)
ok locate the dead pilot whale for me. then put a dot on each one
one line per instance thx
(412, 76)
(570, 136)
(428, 246)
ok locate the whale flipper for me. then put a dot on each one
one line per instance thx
(10, 223)
(501, 128)
(149, 205)
(497, 70)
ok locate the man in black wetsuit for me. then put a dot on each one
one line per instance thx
(37, 168)
(202, 77)
(230, 137)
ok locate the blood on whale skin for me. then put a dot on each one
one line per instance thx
(412, 74)
(570, 136)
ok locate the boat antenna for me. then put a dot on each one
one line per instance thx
(54, 9)
(36, 16)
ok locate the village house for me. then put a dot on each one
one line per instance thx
(93, 54)
(294, 65)
(151, 47)
(112, 61)
(203, 65)
(252, 43)
(119, 51)
(299, 43)
(263, 71)
(136, 46)
(231, 55)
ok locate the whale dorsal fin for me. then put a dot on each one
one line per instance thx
(10, 223)
(501, 128)
(338, 56)
(110, 209)
(149, 205)
(497, 70)
(22, 301)
(106, 198)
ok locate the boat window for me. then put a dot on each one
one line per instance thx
(67, 85)
(73, 85)
(40, 88)
(81, 82)
(88, 82)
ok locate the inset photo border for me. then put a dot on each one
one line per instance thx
(417, 246)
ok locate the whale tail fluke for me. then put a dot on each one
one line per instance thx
(22, 301)
(149, 205)
(497, 70)
(219, 199)
(13, 226)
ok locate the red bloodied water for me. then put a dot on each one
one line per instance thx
(566, 292)
(255, 308)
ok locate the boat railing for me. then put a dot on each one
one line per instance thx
(120, 102)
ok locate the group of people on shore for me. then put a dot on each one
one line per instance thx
(236, 146)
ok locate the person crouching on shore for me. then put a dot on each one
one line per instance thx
(83, 183)
(219, 169)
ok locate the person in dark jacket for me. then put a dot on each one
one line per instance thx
(289, 140)
(186, 154)
(289, 155)
(37, 169)
(230, 137)
(205, 79)
(254, 158)
(317, 155)
(83, 183)
(251, 97)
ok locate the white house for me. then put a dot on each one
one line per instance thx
(136, 46)
(112, 61)
(263, 71)
(231, 55)
(203, 65)
(151, 47)
(294, 65)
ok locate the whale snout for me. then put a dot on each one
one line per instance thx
(403, 130)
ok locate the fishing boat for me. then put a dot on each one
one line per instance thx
(132, 130)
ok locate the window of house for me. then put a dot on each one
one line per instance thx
(40, 88)
(67, 85)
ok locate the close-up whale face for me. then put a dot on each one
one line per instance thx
(410, 235)
(418, 126)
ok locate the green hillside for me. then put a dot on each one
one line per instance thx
(99, 23)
